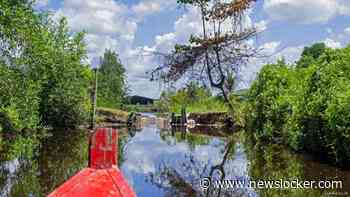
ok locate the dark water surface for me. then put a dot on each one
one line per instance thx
(171, 162)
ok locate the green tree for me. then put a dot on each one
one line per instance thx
(112, 86)
(43, 81)
(46, 54)
(310, 54)
(65, 80)
(194, 97)
(306, 108)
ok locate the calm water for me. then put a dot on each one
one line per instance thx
(170, 162)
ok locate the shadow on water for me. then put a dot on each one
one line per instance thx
(170, 162)
(60, 156)
(275, 162)
(173, 161)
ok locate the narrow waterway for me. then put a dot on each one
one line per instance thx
(159, 161)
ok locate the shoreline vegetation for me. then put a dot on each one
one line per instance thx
(44, 83)
(304, 105)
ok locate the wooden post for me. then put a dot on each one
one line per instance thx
(183, 116)
(94, 102)
(173, 119)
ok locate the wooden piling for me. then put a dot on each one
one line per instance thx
(183, 116)
(94, 102)
(172, 119)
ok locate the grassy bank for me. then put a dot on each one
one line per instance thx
(110, 115)
(305, 105)
(140, 108)
(193, 97)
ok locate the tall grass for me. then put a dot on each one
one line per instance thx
(203, 105)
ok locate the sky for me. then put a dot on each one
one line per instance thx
(131, 27)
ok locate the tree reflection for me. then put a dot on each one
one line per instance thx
(274, 162)
(172, 181)
(183, 178)
(219, 169)
(125, 135)
(60, 157)
(183, 134)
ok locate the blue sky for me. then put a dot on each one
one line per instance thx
(133, 26)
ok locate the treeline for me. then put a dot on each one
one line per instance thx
(44, 80)
(194, 97)
(305, 105)
(112, 82)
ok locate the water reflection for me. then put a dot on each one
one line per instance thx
(61, 156)
(172, 161)
(169, 162)
(274, 162)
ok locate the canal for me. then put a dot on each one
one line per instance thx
(160, 161)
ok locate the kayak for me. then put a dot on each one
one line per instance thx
(102, 177)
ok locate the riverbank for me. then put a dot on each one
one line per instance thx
(154, 156)
(24, 143)
(305, 106)
(111, 116)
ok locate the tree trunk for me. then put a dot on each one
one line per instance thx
(227, 100)
(220, 84)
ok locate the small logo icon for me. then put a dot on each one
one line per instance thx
(205, 183)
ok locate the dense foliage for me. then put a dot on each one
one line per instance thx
(43, 82)
(111, 81)
(306, 105)
(193, 97)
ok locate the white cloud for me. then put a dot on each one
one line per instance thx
(329, 30)
(270, 47)
(147, 7)
(144, 8)
(290, 54)
(106, 22)
(190, 23)
(41, 3)
(344, 7)
(187, 24)
(103, 17)
(261, 25)
(165, 42)
(271, 50)
(332, 43)
(113, 25)
(347, 31)
(139, 160)
(306, 12)
(96, 45)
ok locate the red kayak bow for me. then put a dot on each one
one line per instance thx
(102, 178)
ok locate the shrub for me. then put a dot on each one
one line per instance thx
(305, 107)
(269, 97)
(43, 81)
(19, 102)
(194, 98)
